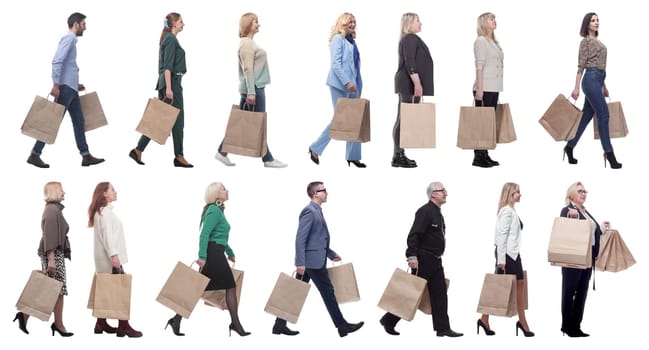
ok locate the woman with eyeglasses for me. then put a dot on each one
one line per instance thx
(574, 287)
(508, 258)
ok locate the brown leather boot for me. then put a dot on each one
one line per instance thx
(124, 329)
(102, 326)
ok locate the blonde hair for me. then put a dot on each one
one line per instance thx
(483, 30)
(406, 22)
(245, 23)
(572, 192)
(341, 24)
(212, 192)
(52, 191)
(506, 194)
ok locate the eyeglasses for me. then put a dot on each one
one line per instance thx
(582, 191)
(322, 190)
(442, 190)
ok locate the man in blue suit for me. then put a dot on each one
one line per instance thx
(311, 253)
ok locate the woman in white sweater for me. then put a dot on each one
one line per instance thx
(110, 247)
(508, 259)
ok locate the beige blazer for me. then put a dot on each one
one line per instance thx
(489, 58)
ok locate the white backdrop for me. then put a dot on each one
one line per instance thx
(369, 211)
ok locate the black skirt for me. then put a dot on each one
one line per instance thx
(512, 267)
(217, 268)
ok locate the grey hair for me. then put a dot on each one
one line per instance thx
(431, 188)
(212, 192)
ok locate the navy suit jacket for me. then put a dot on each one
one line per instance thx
(312, 241)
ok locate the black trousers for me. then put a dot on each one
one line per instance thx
(574, 289)
(432, 270)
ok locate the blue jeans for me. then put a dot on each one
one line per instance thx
(592, 84)
(321, 280)
(353, 149)
(260, 106)
(69, 98)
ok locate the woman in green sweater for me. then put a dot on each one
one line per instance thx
(212, 250)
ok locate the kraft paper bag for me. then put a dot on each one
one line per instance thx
(183, 289)
(570, 243)
(614, 255)
(505, 131)
(39, 295)
(112, 296)
(477, 128)
(616, 122)
(158, 120)
(525, 289)
(351, 121)
(287, 298)
(498, 295)
(93, 113)
(343, 279)
(424, 304)
(246, 133)
(402, 295)
(216, 298)
(417, 125)
(43, 120)
(561, 119)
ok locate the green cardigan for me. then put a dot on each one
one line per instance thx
(215, 228)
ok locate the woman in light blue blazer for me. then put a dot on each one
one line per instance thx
(344, 80)
(508, 259)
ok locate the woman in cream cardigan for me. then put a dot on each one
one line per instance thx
(110, 248)
(508, 258)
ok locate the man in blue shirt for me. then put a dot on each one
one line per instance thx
(65, 89)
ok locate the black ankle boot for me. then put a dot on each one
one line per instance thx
(567, 151)
(489, 160)
(610, 156)
(480, 160)
(399, 160)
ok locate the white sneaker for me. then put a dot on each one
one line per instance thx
(223, 159)
(275, 164)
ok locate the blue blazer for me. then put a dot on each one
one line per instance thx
(342, 69)
(312, 241)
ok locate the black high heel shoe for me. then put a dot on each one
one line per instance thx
(357, 163)
(61, 333)
(21, 322)
(486, 330)
(610, 156)
(175, 327)
(239, 331)
(526, 333)
(314, 157)
(567, 151)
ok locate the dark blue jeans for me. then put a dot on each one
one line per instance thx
(321, 280)
(69, 98)
(260, 106)
(592, 84)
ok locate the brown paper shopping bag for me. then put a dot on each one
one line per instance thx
(477, 128)
(417, 125)
(157, 120)
(39, 295)
(525, 290)
(43, 120)
(402, 294)
(287, 298)
(93, 113)
(183, 289)
(561, 119)
(216, 298)
(616, 122)
(246, 133)
(498, 295)
(505, 131)
(343, 279)
(424, 304)
(351, 121)
(112, 296)
(614, 255)
(570, 243)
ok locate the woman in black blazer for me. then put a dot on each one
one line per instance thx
(414, 78)
(574, 287)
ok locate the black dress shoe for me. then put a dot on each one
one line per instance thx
(88, 160)
(449, 333)
(134, 156)
(388, 328)
(314, 157)
(349, 328)
(180, 164)
(36, 161)
(284, 330)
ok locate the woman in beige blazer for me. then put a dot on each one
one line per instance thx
(508, 258)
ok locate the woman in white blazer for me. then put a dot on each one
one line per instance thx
(508, 259)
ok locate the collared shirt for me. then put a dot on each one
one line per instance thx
(64, 64)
